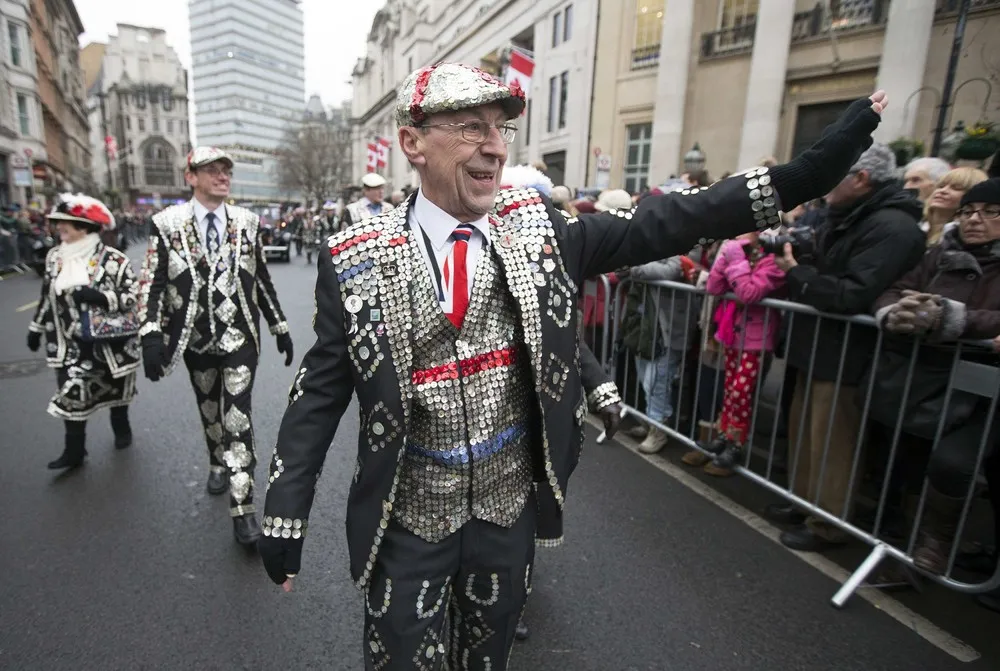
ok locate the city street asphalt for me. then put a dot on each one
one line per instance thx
(127, 563)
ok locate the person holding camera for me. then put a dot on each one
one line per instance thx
(869, 239)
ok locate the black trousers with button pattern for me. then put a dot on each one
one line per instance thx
(223, 385)
(449, 605)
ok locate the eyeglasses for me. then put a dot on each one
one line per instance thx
(215, 171)
(479, 131)
(988, 213)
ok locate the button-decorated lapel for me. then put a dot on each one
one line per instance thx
(513, 257)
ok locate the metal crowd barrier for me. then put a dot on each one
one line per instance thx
(975, 378)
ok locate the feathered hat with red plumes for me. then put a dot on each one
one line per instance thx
(82, 209)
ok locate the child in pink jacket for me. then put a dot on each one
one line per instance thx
(743, 269)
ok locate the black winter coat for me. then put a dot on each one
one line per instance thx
(860, 252)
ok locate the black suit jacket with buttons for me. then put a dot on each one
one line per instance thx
(544, 259)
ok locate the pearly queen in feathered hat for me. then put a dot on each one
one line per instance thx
(448, 87)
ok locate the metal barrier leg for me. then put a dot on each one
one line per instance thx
(867, 566)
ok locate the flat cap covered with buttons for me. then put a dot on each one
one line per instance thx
(372, 180)
(449, 87)
(200, 156)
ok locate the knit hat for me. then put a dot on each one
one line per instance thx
(82, 209)
(449, 87)
(985, 192)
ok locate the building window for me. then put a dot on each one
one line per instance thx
(14, 32)
(556, 28)
(568, 23)
(553, 90)
(563, 95)
(168, 101)
(737, 13)
(638, 142)
(170, 126)
(140, 99)
(24, 114)
(156, 124)
(648, 30)
(142, 125)
(128, 123)
(158, 164)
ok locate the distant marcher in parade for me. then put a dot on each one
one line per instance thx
(453, 319)
(370, 205)
(86, 317)
(202, 279)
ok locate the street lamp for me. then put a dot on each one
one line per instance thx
(694, 160)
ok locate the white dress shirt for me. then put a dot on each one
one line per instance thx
(201, 218)
(426, 217)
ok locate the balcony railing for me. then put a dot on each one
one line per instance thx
(846, 15)
(646, 57)
(728, 41)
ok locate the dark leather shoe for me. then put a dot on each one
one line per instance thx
(218, 483)
(521, 632)
(730, 456)
(990, 600)
(784, 513)
(246, 529)
(803, 539)
(124, 441)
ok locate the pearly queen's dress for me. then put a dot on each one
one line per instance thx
(90, 375)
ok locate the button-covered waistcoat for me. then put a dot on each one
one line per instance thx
(467, 451)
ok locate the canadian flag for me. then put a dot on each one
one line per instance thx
(372, 157)
(519, 70)
(111, 147)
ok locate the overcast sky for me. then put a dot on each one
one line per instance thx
(335, 34)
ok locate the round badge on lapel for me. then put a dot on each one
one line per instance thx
(507, 240)
(353, 304)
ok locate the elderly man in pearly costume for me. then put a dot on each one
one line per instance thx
(203, 286)
(453, 319)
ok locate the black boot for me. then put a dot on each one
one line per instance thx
(74, 452)
(717, 445)
(218, 482)
(120, 425)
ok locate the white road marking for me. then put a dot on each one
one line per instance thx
(920, 625)
(27, 306)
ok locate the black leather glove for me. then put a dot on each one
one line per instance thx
(154, 355)
(817, 170)
(285, 347)
(91, 296)
(612, 417)
(34, 340)
(282, 557)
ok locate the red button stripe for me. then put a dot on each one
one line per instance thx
(466, 367)
(347, 244)
(518, 204)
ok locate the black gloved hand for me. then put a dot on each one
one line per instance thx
(154, 354)
(91, 296)
(612, 417)
(34, 340)
(282, 557)
(817, 170)
(285, 347)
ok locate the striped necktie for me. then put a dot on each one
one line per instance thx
(460, 281)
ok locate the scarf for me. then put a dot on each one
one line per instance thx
(75, 257)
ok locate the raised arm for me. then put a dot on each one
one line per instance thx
(670, 224)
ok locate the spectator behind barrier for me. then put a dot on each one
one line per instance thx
(747, 331)
(868, 240)
(658, 327)
(940, 208)
(953, 293)
(922, 175)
